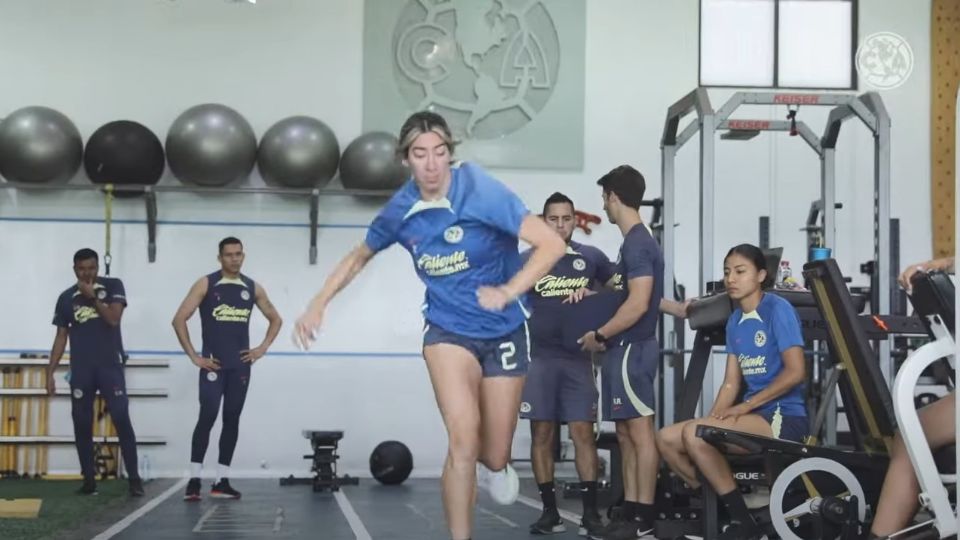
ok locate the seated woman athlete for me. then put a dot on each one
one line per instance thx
(765, 346)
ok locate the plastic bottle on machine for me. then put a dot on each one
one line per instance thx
(784, 275)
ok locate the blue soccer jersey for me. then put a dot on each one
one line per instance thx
(458, 244)
(758, 340)
(640, 256)
(92, 339)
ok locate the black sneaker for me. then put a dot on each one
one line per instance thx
(736, 531)
(549, 523)
(222, 490)
(136, 487)
(631, 530)
(615, 523)
(193, 490)
(590, 525)
(89, 487)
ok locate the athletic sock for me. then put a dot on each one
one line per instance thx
(646, 513)
(548, 495)
(588, 495)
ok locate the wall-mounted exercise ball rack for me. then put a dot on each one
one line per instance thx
(209, 148)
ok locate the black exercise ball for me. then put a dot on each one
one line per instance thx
(124, 152)
(39, 145)
(211, 145)
(298, 152)
(371, 162)
(391, 462)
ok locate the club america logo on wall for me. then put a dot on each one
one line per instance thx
(490, 66)
(506, 74)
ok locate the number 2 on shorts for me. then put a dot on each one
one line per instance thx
(509, 349)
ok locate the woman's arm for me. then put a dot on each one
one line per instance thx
(547, 248)
(347, 269)
(728, 393)
(946, 264)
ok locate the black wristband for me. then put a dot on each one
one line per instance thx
(599, 337)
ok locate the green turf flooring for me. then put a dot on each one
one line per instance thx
(62, 508)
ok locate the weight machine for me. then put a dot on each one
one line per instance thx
(868, 108)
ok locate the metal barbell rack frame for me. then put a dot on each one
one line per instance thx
(867, 107)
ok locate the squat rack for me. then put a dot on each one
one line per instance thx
(871, 111)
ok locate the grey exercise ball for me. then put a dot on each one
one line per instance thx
(300, 152)
(370, 162)
(211, 145)
(39, 145)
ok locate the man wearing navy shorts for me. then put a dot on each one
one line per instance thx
(560, 385)
(629, 367)
(225, 299)
(89, 312)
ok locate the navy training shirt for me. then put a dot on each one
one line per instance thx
(640, 256)
(92, 339)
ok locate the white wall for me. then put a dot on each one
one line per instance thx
(102, 60)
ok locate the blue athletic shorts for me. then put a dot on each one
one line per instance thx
(506, 356)
(627, 377)
(787, 428)
(560, 388)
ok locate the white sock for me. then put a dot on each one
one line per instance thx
(223, 471)
(195, 469)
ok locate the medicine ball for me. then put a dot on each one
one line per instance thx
(391, 462)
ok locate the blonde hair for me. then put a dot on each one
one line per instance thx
(424, 122)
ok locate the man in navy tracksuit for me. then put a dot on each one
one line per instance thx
(225, 299)
(89, 314)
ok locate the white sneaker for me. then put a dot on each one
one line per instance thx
(503, 486)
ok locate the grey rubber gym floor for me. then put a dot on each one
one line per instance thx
(411, 511)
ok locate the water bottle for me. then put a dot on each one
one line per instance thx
(783, 275)
(145, 468)
(787, 274)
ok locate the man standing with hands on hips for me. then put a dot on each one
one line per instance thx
(225, 299)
